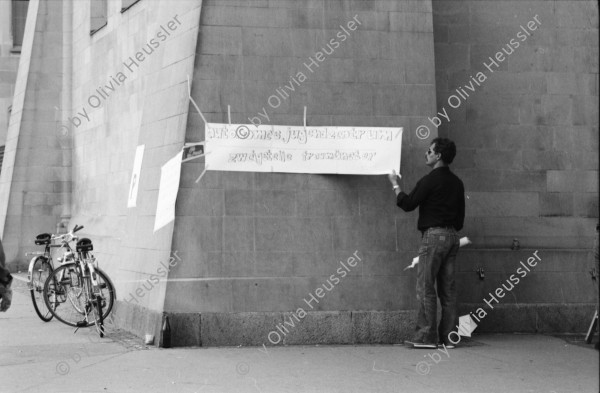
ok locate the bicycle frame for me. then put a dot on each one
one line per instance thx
(40, 265)
(78, 263)
(87, 269)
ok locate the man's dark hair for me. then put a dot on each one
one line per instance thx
(446, 148)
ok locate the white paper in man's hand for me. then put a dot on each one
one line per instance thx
(462, 242)
(413, 264)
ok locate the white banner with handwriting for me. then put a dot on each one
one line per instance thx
(296, 149)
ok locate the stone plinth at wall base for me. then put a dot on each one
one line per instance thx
(185, 329)
(532, 318)
(279, 328)
(339, 327)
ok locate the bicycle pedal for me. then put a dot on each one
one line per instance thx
(81, 324)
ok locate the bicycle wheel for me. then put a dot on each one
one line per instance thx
(40, 272)
(107, 293)
(103, 298)
(66, 296)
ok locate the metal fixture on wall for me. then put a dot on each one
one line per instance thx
(480, 272)
(515, 245)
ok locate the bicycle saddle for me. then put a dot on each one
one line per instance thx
(43, 239)
(84, 245)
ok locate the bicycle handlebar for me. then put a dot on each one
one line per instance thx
(70, 234)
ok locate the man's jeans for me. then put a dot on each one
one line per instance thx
(437, 257)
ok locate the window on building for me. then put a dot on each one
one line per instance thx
(98, 15)
(19, 16)
(126, 4)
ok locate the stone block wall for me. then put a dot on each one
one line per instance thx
(263, 242)
(527, 139)
(528, 135)
(133, 84)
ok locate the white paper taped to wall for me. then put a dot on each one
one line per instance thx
(167, 192)
(298, 149)
(135, 176)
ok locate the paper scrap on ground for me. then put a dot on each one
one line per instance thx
(135, 176)
(462, 242)
(466, 325)
(167, 192)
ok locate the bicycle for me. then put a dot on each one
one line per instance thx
(79, 293)
(40, 268)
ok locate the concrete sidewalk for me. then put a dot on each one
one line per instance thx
(47, 357)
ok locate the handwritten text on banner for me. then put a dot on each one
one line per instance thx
(296, 149)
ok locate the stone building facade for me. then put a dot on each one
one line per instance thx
(248, 251)
(12, 16)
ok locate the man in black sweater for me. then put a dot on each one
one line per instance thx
(441, 201)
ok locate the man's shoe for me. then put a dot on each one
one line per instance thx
(420, 344)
